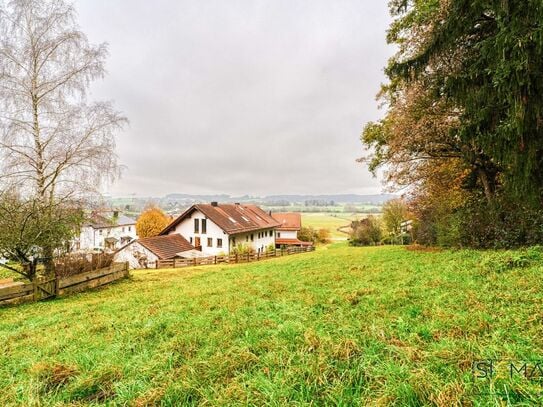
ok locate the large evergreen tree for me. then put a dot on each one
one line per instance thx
(465, 96)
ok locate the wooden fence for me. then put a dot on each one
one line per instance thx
(231, 259)
(58, 286)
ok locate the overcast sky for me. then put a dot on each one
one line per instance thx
(241, 96)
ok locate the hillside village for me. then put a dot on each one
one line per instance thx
(201, 230)
(306, 286)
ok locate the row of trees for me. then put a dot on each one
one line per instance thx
(56, 147)
(463, 131)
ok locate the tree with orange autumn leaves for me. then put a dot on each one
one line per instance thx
(151, 222)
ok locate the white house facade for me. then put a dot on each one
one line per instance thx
(286, 234)
(105, 231)
(218, 229)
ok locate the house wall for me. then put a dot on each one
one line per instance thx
(91, 238)
(286, 234)
(137, 256)
(186, 229)
(267, 238)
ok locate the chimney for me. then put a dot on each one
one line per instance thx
(214, 203)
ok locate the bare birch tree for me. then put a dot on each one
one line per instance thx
(55, 146)
(53, 142)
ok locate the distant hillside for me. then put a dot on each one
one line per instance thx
(340, 198)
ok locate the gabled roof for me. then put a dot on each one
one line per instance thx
(288, 220)
(292, 242)
(166, 247)
(106, 219)
(231, 218)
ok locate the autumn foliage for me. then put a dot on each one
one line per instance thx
(462, 134)
(151, 222)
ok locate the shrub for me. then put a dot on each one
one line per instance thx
(367, 232)
(241, 248)
(78, 263)
(504, 224)
(310, 234)
(323, 236)
(307, 234)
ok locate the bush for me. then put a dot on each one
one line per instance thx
(241, 248)
(307, 234)
(79, 263)
(503, 224)
(500, 225)
(367, 232)
(323, 236)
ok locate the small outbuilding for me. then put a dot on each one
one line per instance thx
(286, 234)
(144, 253)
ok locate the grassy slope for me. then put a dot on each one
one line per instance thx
(341, 325)
(320, 220)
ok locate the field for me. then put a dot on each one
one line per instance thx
(342, 326)
(329, 221)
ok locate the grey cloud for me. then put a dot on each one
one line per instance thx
(256, 97)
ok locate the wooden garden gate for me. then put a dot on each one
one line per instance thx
(46, 287)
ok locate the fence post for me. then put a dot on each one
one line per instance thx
(215, 260)
(127, 269)
(194, 261)
(236, 257)
(35, 288)
(258, 256)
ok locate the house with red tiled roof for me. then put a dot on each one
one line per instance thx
(220, 228)
(286, 234)
(144, 253)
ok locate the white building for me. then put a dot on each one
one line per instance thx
(286, 234)
(144, 253)
(220, 228)
(107, 231)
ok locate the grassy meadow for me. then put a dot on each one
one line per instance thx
(339, 326)
(323, 220)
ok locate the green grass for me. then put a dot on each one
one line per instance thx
(340, 326)
(332, 222)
